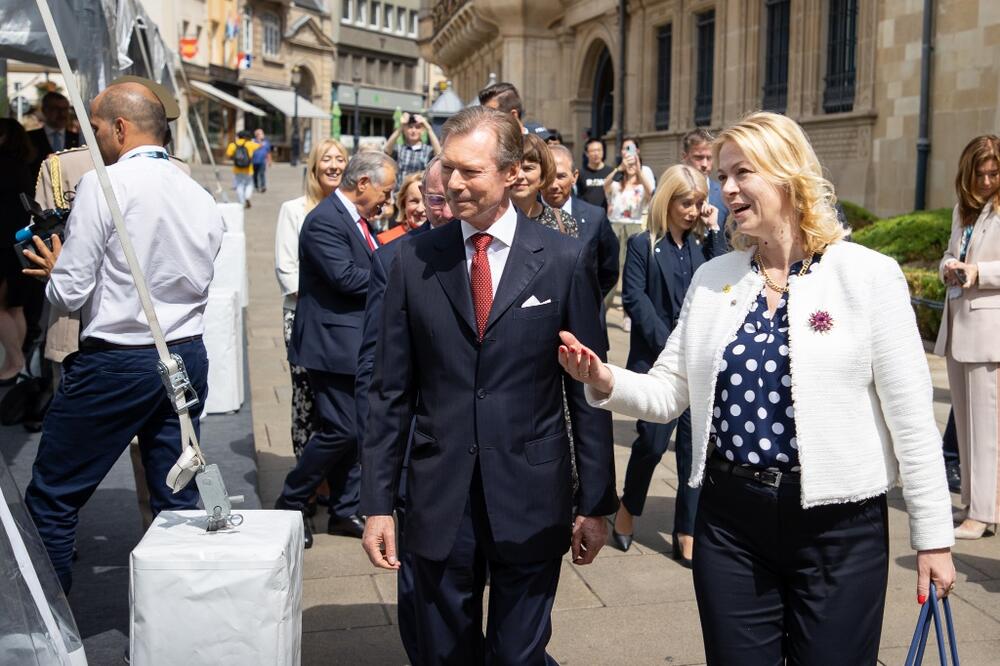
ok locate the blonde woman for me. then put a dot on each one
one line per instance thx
(810, 398)
(659, 265)
(324, 169)
(971, 269)
(410, 212)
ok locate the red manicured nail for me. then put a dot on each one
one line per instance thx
(921, 599)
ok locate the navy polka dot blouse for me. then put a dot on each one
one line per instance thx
(753, 422)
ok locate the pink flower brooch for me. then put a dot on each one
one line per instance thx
(821, 321)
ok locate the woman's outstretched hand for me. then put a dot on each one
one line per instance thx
(584, 365)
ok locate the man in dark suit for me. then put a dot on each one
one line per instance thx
(471, 316)
(52, 136)
(438, 214)
(335, 251)
(696, 152)
(595, 228)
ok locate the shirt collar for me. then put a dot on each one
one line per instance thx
(568, 206)
(142, 149)
(502, 230)
(352, 210)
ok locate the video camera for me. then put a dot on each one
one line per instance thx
(44, 223)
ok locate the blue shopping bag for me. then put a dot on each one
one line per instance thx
(915, 656)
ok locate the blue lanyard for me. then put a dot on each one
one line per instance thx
(966, 237)
(155, 154)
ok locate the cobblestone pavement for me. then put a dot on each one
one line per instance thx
(636, 607)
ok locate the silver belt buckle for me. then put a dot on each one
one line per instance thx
(768, 478)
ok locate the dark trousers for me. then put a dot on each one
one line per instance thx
(647, 450)
(949, 441)
(779, 584)
(448, 600)
(332, 451)
(104, 400)
(260, 176)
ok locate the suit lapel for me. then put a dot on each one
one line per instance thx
(524, 260)
(355, 233)
(452, 273)
(662, 252)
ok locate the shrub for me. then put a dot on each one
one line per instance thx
(914, 238)
(858, 217)
(926, 285)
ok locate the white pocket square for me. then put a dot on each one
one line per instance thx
(533, 301)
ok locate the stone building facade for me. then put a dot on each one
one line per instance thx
(847, 70)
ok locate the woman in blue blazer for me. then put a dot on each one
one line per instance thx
(659, 265)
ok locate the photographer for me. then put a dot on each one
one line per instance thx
(414, 154)
(111, 390)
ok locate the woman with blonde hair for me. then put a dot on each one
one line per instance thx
(810, 397)
(967, 338)
(410, 212)
(659, 265)
(324, 169)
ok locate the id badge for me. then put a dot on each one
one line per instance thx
(954, 292)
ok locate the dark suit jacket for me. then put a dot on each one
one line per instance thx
(716, 242)
(499, 401)
(334, 267)
(596, 231)
(43, 148)
(381, 261)
(647, 286)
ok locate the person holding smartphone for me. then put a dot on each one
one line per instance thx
(414, 154)
(630, 186)
(971, 271)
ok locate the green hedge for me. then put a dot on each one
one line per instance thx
(858, 217)
(918, 238)
(917, 241)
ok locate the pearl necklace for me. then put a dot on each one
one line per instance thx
(767, 279)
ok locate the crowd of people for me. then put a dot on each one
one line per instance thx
(451, 391)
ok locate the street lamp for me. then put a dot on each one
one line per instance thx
(296, 141)
(356, 80)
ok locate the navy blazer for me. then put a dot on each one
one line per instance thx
(596, 231)
(334, 268)
(716, 242)
(498, 402)
(647, 286)
(381, 261)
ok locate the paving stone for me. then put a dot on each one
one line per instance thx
(371, 645)
(335, 556)
(341, 603)
(634, 581)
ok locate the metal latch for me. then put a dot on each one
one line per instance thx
(175, 379)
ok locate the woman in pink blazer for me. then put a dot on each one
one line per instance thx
(968, 336)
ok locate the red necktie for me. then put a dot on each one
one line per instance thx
(482, 281)
(368, 235)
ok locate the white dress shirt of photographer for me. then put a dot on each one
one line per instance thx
(176, 230)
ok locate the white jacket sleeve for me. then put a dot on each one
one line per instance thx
(903, 383)
(661, 395)
(286, 246)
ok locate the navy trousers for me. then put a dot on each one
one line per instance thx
(331, 452)
(779, 584)
(647, 450)
(105, 399)
(949, 441)
(448, 600)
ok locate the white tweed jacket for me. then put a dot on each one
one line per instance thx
(862, 391)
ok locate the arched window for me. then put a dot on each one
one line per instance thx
(272, 33)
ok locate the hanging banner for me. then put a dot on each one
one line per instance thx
(188, 47)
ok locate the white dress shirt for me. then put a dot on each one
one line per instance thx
(568, 206)
(352, 210)
(286, 248)
(503, 236)
(176, 230)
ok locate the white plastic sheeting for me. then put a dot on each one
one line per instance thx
(227, 597)
(224, 345)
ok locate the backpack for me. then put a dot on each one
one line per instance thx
(241, 157)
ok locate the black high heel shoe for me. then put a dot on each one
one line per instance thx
(678, 554)
(622, 541)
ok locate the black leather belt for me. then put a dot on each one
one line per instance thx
(97, 344)
(761, 476)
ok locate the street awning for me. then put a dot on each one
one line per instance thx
(226, 98)
(284, 101)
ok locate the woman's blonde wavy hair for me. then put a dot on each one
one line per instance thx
(679, 180)
(314, 193)
(778, 149)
